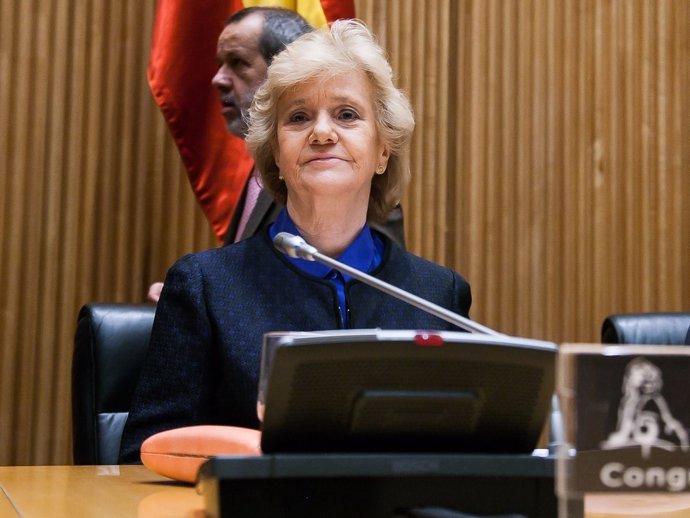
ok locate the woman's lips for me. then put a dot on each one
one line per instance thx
(323, 159)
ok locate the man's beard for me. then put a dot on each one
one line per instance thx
(238, 125)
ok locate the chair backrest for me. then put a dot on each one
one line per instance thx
(109, 348)
(646, 328)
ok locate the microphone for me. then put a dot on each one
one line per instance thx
(295, 246)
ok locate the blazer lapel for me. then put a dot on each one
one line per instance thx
(262, 208)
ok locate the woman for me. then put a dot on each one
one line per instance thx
(331, 134)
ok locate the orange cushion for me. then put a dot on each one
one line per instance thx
(179, 453)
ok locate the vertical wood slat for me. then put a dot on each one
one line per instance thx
(550, 167)
(8, 351)
(52, 34)
(526, 131)
(22, 252)
(507, 129)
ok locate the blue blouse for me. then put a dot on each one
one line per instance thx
(364, 254)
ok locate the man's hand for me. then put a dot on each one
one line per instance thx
(155, 291)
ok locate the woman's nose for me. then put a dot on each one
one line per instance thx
(323, 131)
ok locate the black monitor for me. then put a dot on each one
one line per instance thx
(404, 391)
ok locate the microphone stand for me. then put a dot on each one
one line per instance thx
(295, 246)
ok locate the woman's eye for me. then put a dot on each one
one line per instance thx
(348, 115)
(297, 117)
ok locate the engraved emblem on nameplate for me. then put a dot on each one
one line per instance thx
(632, 417)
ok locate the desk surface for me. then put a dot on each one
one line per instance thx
(638, 505)
(94, 491)
(134, 491)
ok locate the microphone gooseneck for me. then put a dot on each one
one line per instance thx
(295, 246)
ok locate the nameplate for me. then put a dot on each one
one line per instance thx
(627, 418)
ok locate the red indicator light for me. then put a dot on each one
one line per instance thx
(428, 340)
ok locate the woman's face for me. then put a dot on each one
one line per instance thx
(327, 141)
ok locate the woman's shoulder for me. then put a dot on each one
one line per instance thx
(402, 264)
(395, 253)
(246, 250)
(426, 279)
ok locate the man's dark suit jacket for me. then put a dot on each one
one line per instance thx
(267, 209)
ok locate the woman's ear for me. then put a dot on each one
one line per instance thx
(384, 156)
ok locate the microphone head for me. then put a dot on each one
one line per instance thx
(279, 242)
(294, 246)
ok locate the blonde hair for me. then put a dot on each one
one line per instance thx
(348, 45)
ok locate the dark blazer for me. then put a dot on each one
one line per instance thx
(202, 365)
(267, 209)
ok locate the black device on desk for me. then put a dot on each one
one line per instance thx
(379, 485)
(387, 423)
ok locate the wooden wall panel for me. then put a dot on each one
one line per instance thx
(95, 204)
(550, 167)
(550, 159)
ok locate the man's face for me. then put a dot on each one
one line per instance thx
(241, 70)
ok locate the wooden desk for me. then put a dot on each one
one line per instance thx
(638, 505)
(94, 491)
(134, 491)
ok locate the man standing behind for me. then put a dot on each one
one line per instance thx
(248, 43)
(250, 39)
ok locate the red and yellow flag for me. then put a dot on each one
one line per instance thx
(181, 66)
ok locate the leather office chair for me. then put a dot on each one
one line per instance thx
(646, 328)
(109, 347)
